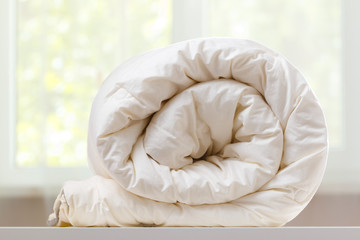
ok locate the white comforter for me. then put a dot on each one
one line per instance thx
(206, 132)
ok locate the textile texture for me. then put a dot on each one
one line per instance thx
(205, 132)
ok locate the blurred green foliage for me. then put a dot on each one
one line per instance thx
(65, 49)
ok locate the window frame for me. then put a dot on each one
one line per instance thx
(339, 176)
(345, 177)
(29, 181)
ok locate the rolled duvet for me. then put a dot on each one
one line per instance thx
(206, 132)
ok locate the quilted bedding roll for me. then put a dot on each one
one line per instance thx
(206, 132)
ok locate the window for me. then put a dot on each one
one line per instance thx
(57, 53)
(64, 51)
(307, 32)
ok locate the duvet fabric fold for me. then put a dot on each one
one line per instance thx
(205, 132)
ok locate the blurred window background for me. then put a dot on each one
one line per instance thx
(65, 49)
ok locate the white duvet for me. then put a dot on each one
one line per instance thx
(206, 132)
